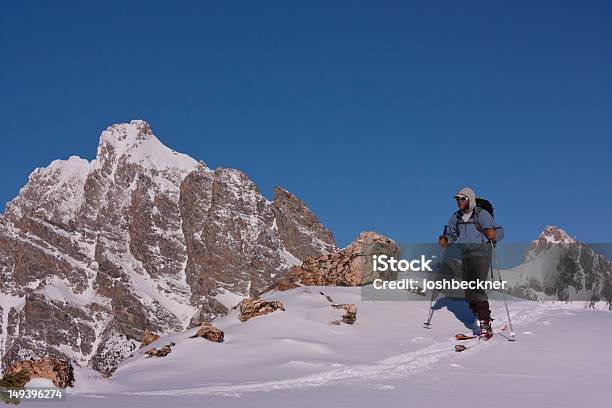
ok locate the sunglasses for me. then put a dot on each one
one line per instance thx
(461, 199)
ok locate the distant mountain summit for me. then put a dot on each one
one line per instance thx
(142, 237)
(549, 237)
(559, 267)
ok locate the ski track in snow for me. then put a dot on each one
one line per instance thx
(398, 366)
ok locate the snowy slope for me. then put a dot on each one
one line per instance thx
(386, 358)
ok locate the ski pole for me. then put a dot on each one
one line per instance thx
(493, 257)
(427, 324)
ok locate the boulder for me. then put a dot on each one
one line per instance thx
(351, 266)
(58, 371)
(209, 332)
(160, 352)
(250, 308)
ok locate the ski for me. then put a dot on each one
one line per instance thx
(461, 336)
(461, 347)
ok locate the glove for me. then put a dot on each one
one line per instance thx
(491, 235)
(442, 241)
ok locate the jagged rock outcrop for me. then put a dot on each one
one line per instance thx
(92, 253)
(351, 266)
(296, 225)
(250, 308)
(209, 332)
(60, 372)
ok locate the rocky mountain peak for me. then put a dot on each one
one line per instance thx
(134, 142)
(555, 235)
(124, 136)
(550, 237)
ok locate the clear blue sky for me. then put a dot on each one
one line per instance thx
(374, 113)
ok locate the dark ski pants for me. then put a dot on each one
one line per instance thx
(477, 268)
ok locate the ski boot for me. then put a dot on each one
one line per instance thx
(486, 332)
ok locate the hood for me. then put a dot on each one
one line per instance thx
(469, 193)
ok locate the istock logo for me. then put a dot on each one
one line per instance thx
(383, 263)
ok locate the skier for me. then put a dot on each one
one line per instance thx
(474, 230)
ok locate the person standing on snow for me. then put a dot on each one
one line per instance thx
(474, 230)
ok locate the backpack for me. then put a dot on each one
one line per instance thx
(485, 205)
(482, 203)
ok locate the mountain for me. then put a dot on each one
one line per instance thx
(92, 253)
(559, 267)
(550, 237)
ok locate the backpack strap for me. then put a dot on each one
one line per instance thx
(473, 220)
(477, 221)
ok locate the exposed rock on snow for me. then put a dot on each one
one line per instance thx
(350, 314)
(142, 237)
(250, 308)
(209, 332)
(351, 266)
(160, 352)
(60, 372)
(210, 309)
(148, 337)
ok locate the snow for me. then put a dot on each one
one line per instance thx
(39, 382)
(385, 359)
(57, 289)
(145, 149)
(72, 168)
(148, 290)
(227, 298)
(289, 258)
(64, 182)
